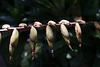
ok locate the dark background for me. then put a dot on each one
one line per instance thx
(14, 12)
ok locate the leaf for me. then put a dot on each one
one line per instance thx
(8, 6)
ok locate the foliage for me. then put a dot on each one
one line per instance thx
(28, 11)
